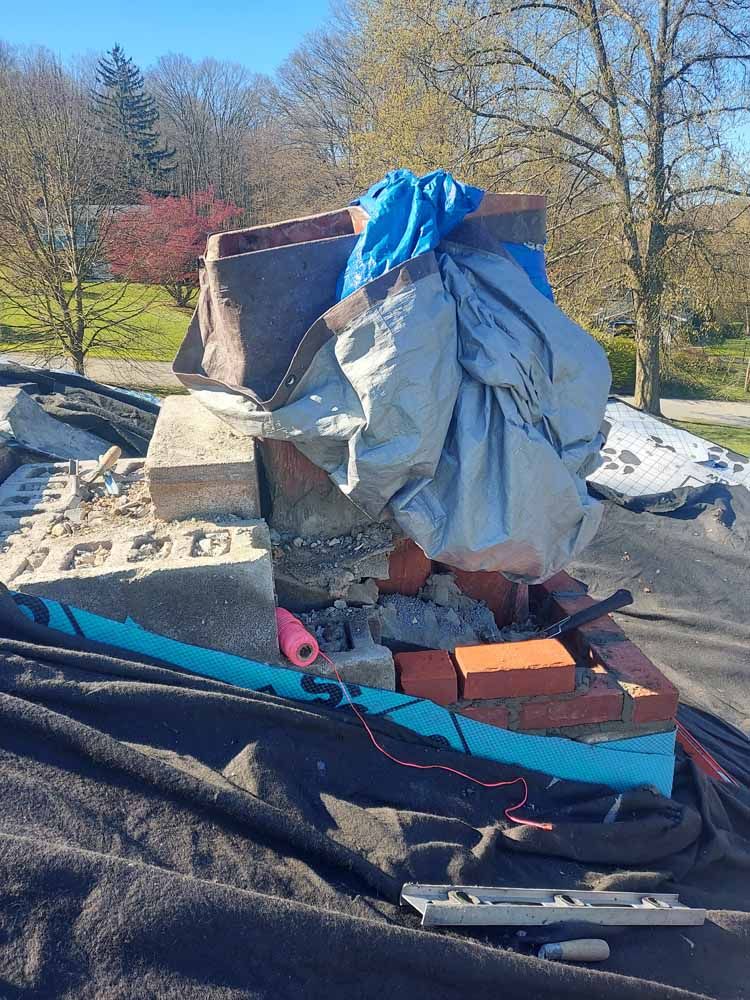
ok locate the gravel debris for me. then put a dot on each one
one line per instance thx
(85, 558)
(213, 543)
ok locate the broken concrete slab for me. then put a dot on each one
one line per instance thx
(24, 423)
(197, 466)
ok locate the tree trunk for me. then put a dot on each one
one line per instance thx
(647, 362)
(181, 293)
(77, 353)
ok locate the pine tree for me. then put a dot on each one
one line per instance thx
(128, 118)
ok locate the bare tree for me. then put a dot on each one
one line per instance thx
(52, 230)
(637, 97)
(208, 110)
(320, 100)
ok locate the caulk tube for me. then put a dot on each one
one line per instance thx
(582, 950)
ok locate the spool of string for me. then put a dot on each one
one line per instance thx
(301, 648)
(297, 644)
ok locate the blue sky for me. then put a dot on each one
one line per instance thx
(255, 33)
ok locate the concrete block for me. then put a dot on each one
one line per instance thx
(203, 583)
(44, 487)
(429, 674)
(515, 669)
(197, 466)
(365, 661)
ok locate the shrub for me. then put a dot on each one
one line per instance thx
(620, 353)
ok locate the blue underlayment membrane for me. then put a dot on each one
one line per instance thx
(620, 764)
(410, 215)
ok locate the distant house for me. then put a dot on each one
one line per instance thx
(618, 318)
(88, 218)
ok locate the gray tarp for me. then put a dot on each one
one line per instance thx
(449, 392)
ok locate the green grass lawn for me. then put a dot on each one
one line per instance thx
(736, 438)
(152, 335)
(705, 388)
(737, 346)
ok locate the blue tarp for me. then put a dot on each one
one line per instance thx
(531, 259)
(410, 215)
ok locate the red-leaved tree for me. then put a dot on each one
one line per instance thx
(159, 241)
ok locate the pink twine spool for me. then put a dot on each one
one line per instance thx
(297, 644)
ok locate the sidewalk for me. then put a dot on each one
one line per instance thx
(114, 371)
(704, 411)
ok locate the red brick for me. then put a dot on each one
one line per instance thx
(653, 697)
(604, 629)
(429, 674)
(562, 595)
(650, 697)
(492, 715)
(600, 703)
(567, 596)
(408, 569)
(497, 593)
(515, 669)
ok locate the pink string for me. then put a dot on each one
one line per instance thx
(294, 639)
(285, 618)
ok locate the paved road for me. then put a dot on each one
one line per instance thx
(155, 374)
(145, 374)
(705, 411)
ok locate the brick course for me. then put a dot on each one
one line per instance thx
(602, 701)
(492, 715)
(648, 695)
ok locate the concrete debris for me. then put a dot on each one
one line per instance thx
(423, 623)
(311, 573)
(150, 547)
(84, 557)
(365, 592)
(212, 543)
(442, 589)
